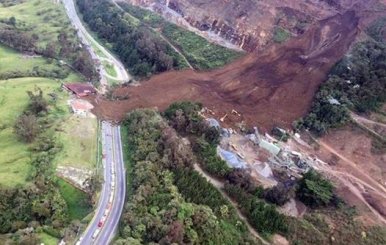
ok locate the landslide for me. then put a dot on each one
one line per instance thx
(269, 88)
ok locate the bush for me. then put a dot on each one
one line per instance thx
(26, 127)
(279, 194)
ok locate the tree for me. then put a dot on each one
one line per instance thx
(26, 127)
(314, 190)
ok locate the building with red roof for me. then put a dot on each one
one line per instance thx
(80, 89)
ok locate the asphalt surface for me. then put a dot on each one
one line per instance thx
(87, 40)
(103, 227)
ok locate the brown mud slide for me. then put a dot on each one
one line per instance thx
(270, 88)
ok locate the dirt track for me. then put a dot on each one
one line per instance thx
(270, 88)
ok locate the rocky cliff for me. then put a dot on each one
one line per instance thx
(246, 24)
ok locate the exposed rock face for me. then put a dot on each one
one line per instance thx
(245, 24)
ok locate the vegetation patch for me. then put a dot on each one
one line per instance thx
(77, 200)
(198, 51)
(280, 35)
(41, 27)
(14, 65)
(377, 30)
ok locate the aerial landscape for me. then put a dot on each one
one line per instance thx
(218, 122)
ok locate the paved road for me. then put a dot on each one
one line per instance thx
(91, 43)
(102, 228)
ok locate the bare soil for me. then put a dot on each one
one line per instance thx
(358, 172)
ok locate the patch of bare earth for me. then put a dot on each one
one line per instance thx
(359, 172)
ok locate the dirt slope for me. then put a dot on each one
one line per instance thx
(268, 88)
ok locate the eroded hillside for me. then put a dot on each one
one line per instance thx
(247, 24)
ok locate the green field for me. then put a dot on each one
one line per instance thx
(14, 155)
(79, 139)
(45, 18)
(76, 200)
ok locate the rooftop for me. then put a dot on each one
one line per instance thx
(81, 89)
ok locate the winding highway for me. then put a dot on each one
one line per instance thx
(103, 227)
(93, 47)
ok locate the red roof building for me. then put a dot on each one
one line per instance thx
(80, 89)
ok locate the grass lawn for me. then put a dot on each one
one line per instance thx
(46, 18)
(76, 200)
(14, 155)
(79, 139)
(11, 61)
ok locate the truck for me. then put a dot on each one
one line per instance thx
(96, 233)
